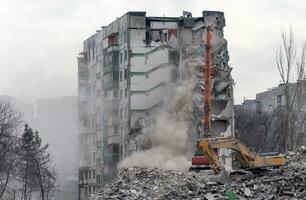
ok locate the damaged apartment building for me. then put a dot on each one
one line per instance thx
(126, 70)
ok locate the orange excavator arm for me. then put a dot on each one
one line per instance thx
(249, 159)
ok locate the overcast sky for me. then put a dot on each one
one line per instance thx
(40, 39)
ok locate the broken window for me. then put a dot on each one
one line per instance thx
(156, 36)
(113, 39)
(115, 148)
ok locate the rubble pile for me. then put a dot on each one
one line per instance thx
(287, 182)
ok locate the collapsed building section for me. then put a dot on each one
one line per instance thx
(128, 69)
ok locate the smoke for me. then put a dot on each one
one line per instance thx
(171, 139)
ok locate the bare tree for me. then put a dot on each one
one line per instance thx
(10, 121)
(285, 59)
(250, 125)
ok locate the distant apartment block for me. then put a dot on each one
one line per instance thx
(125, 71)
(274, 98)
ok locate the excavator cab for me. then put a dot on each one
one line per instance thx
(199, 161)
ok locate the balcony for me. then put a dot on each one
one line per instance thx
(83, 129)
(111, 105)
(112, 158)
(113, 66)
(113, 48)
(110, 84)
(111, 120)
(112, 139)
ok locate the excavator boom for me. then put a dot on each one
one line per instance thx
(248, 159)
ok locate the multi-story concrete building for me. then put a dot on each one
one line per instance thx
(125, 71)
(271, 99)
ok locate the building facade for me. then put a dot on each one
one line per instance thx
(126, 70)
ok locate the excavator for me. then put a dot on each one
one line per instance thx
(206, 156)
(247, 159)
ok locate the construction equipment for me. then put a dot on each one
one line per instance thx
(199, 161)
(248, 160)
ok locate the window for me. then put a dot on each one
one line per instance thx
(125, 55)
(86, 175)
(115, 149)
(115, 76)
(92, 123)
(120, 57)
(125, 92)
(93, 53)
(94, 174)
(94, 158)
(120, 76)
(99, 92)
(125, 73)
(93, 90)
(121, 95)
(86, 193)
(124, 37)
(116, 129)
(121, 110)
(85, 122)
(279, 100)
(116, 113)
(89, 174)
(81, 175)
(115, 93)
(125, 111)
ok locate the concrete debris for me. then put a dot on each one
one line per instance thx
(288, 182)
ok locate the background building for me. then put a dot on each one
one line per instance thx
(272, 103)
(56, 120)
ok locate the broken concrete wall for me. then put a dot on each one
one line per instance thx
(184, 40)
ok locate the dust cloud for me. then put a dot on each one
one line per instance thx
(171, 138)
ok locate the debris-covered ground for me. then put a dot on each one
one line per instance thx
(288, 182)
